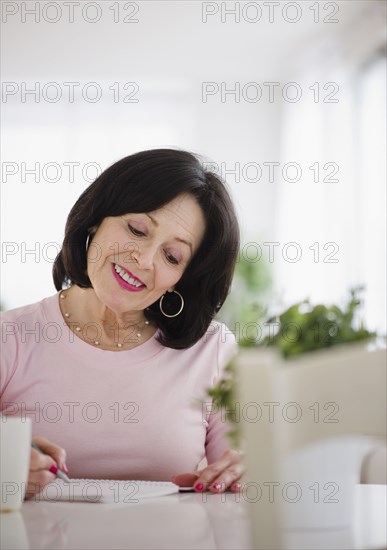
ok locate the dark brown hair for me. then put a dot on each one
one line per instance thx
(144, 182)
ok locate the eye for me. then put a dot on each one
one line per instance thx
(171, 259)
(135, 231)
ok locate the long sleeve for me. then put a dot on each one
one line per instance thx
(217, 441)
(9, 352)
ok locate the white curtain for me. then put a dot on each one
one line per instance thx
(338, 222)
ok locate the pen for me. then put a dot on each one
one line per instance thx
(57, 471)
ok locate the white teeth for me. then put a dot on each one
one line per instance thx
(126, 277)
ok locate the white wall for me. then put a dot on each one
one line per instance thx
(168, 53)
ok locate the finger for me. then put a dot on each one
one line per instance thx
(185, 480)
(228, 478)
(236, 487)
(214, 473)
(37, 481)
(53, 450)
(39, 461)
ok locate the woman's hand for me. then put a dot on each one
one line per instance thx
(219, 476)
(44, 466)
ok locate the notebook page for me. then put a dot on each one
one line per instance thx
(105, 490)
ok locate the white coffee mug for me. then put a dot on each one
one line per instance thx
(15, 449)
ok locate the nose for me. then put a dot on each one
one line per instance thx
(143, 257)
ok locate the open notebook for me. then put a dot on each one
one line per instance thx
(105, 490)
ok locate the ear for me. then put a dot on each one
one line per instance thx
(92, 230)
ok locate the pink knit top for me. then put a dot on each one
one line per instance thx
(120, 415)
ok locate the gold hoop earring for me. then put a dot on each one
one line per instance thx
(87, 242)
(181, 306)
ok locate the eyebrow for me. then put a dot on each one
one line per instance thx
(176, 238)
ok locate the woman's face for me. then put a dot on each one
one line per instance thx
(135, 258)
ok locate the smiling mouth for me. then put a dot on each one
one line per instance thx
(128, 278)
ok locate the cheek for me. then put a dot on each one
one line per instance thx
(165, 277)
(102, 251)
(115, 244)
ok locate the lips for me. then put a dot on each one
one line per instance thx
(127, 279)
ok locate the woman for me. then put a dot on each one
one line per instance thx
(110, 369)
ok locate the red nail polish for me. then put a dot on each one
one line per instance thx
(53, 469)
(199, 487)
(216, 486)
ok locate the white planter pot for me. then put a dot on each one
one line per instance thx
(307, 424)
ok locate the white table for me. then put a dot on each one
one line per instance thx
(184, 521)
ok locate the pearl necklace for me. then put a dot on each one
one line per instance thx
(97, 342)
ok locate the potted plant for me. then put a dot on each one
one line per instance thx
(300, 329)
(308, 335)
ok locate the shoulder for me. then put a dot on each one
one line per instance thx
(27, 312)
(209, 355)
(218, 342)
(13, 324)
(227, 345)
(220, 335)
(14, 321)
(21, 330)
(14, 315)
